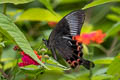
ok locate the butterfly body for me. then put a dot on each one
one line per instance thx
(61, 39)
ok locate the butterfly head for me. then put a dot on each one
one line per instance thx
(45, 42)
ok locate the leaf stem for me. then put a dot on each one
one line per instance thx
(4, 8)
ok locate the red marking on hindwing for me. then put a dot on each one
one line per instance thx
(77, 43)
(78, 54)
(73, 37)
(69, 61)
(74, 63)
(79, 61)
(78, 48)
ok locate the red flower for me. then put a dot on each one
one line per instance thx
(52, 24)
(95, 36)
(27, 60)
(98, 36)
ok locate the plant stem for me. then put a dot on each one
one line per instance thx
(90, 76)
(4, 8)
(4, 74)
(109, 52)
(90, 72)
(1, 49)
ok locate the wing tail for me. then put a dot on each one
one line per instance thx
(77, 56)
(87, 64)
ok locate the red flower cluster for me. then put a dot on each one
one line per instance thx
(27, 60)
(95, 36)
(52, 24)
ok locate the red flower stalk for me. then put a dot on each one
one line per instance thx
(27, 60)
(95, 36)
(52, 24)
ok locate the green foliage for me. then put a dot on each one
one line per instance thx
(102, 77)
(8, 26)
(113, 30)
(34, 20)
(104, 61)
(99, 2)
(48, 5)
(32, 70)
(113, 17)
(70, 1)
(39, 14)
(51, 75)
(115, 9)
(15, 1)
(114, 67)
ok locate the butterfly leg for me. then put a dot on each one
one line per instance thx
(54, 53)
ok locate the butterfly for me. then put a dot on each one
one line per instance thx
(61, 40)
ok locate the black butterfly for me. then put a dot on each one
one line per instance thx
(60, 40)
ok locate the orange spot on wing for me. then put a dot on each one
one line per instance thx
(69, 61)
(78, 48)
(73, 63)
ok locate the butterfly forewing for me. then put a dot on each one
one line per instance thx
(75, 21)
(70, 25)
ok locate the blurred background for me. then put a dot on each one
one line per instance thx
(36, 19)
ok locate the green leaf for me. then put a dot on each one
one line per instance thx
(39, 14)
(32, 70)
(103, 61)
(99, 2)
(87, 28)
(70, 1)
(1, 66)
(48, 5)
(10, 64)
(98, 46)
(85, 50)
(68, 77)
(112, 31)
(102, 77)
(8, 26)
(113, 17)
(6, 59)
(100, 71)
(114, 68)
(116, 77)
(54, 65)
(50, 75)
(15, 1)
(116, 9)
